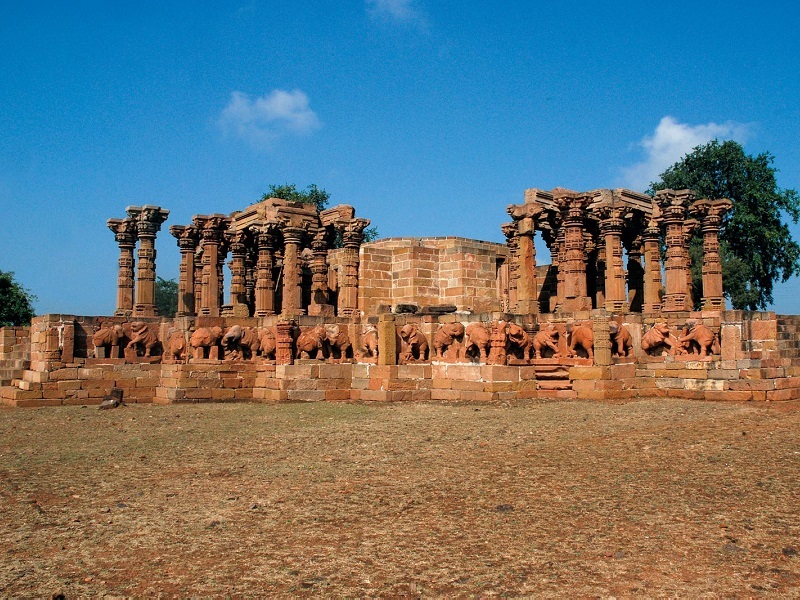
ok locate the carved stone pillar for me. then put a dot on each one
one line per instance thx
(673, 206)
(510, 231)
(636, 276)
(187, 237)
(292, 276)
(198, 278)
(525, 216)
(573, 212)
(689, 228)
(710, 213)
(497, 343)
(558, 259)
(238, 292)
(611, 229)
(652, 268)
(284, 350)
(319, 269)
(212, 229)
(602, 340)
(125, 234)
(148, 223)
(265, 286)
(348, 291)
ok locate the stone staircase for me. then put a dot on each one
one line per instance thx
(553, 378)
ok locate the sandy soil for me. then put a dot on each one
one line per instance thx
(666, 497)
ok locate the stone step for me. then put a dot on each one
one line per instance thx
(554, 384)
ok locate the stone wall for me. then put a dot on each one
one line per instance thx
(430, 271)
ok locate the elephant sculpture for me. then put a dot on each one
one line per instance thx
(203, 340)
(413, 344)
(621, 340)
(105, 338)
(240, 342)
(311, 342)
(175, 346)
(477, 340)
(519, 344)
(659, 340)
(545, 338)
(267, 343)
(338, 341)
(143, 340)
(582, 336)
(699, 339)
(369, 341)
(447, 336)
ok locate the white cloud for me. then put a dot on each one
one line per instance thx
(670, 142)
(401, 11)
(265, 119)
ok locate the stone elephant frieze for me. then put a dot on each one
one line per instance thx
(205, 342)
(413, 344)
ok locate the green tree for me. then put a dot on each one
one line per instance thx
(166, 297)
(311, 195)
(756, 245)
(288, 191)
(16, 303)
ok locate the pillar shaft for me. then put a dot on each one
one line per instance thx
(711, 212)
(148, 223)
(319, 281)
(573, 264)
(125, 234)
(673, 205)
(212, 229)
(652, 270)
(611, 228)
(636, 276)
(187, 237)
(348, 290)
(265, 286)
(238, 291)
(292, 280)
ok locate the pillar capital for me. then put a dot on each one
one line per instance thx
(124, 230)
(211, 227)
(353, 233)
(187, 237)
(148, 218)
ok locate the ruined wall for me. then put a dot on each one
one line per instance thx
(429, 271)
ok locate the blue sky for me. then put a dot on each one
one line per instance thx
(429, 117)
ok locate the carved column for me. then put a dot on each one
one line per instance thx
(510, 231)
(525, 216)
(673, 206)
(558, 260)
(265, 286)
(148, 223)
(187, 237)
(292, 276)
(573, 212)
(125, 234)
(636, 275)
(198, 278)
(652, 268)
(319, 269)
(284, 343)
(238, 292)
(212, 228)
(710, 213)
(611, 229)
(348, 292)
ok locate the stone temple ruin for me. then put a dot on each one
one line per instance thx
(314, 313)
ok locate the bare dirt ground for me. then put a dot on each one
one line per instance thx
(646, 498)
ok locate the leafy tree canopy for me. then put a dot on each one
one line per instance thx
(311, 195)
(16, 303)
(166, 297)
(756, 245)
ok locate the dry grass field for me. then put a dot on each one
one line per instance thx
(645, 498)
